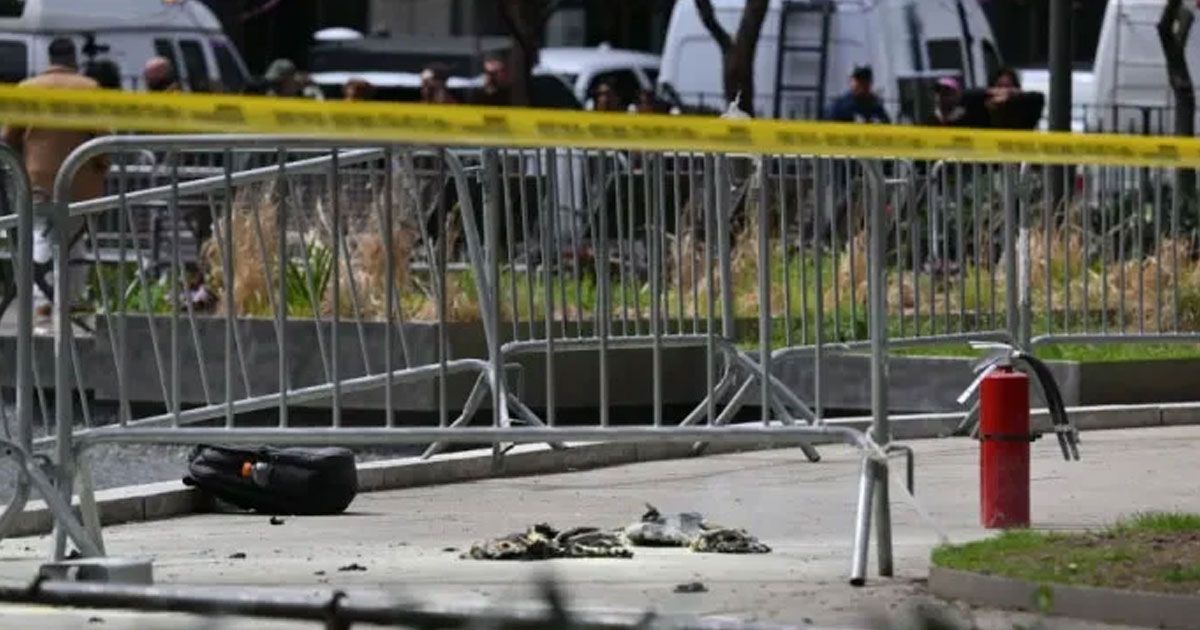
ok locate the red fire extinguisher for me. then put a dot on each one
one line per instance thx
(1004, 435)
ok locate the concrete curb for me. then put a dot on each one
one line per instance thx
(1104, 605)
(169, 499)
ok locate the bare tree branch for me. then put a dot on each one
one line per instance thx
(708, 17)
(514, 21)
(751, 25)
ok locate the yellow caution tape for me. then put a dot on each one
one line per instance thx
(443, 125)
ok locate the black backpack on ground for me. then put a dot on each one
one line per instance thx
(283, 481)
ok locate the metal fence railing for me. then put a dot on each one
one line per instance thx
(436, 289)
(408, 279)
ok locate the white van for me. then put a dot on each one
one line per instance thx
(1132, 91)
(908, 43)
(127, 32)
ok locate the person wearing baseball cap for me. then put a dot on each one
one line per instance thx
(947, 109)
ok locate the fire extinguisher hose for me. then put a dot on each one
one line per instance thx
(1067, 436)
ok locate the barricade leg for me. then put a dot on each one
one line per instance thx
(89, 511)
(862, 524)
(883, 519)
(13, 175)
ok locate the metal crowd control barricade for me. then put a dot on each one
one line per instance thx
(543, 254)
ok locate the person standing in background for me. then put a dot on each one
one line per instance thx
(497, 84)
(105, 73)
(358, 90)
(43, 152)
(860, 103)
(158, 75)
(435, 85)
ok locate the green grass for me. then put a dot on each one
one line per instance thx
(1158, 523)
(1149, 551)
(1080, 353)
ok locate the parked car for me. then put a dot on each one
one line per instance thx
(583, 69)
(127, 32)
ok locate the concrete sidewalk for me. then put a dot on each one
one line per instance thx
(804, 511)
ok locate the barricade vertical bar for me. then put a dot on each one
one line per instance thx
(175, 293)
(1012, 264)
(603, 308)
(633, 158)
(1177, 199)
(933, 212)
(677, 202)
(1158, 241)
(23, 272)
(439, 266)
(573, 211)
(1138, 250)
(820, 186)
(1121, 285)
(619, 173)
(526, 236)
(801, 256)
(764, 292)
(281, 306)
(1104, 242)
(336, 319)
(1086, 223)
(693, 213)
(992, 262)
(880, 429)
(786, 272)
(492, 207)
(549, 257)
(709, 183)
(1047, 238)
(724, 242)
(63, 415)
(851, 241)
(124, 410)
(654, 235)
(557, 236)
(960, 248)
(389, 291)
(1067, 226)
(230, 307)
(1024, 274)
(944, 258)
(510, 245)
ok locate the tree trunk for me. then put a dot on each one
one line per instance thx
(1173, 30)
(526, 22)
(737, 52)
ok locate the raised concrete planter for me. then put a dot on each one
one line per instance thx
(1155, 610)
(931, 384)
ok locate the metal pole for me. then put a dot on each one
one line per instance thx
(880, 427)
(63, 416)
(1060, 80)
(862, 525)
(723, 244)
(492, 208)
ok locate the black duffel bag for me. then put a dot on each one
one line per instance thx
(282, 481)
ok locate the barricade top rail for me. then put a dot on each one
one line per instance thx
(515, 127)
